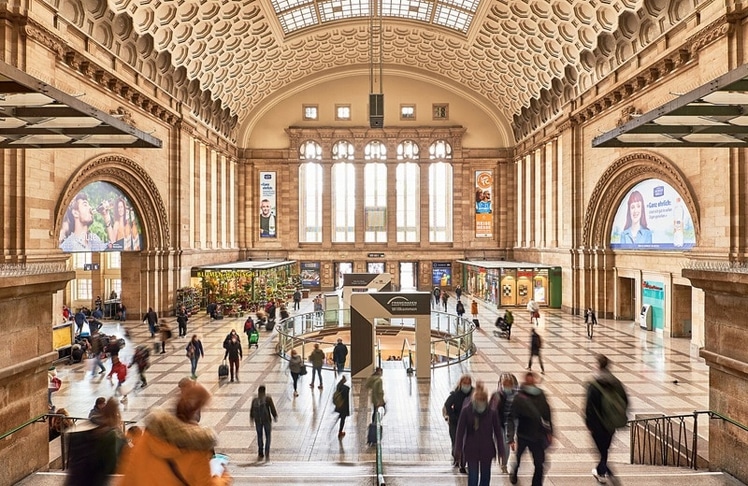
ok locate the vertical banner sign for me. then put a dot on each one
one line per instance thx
(267, 205)
(483, 204)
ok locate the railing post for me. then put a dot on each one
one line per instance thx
(694, 453)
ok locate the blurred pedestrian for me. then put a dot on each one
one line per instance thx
(142, 358)
(501, 401)
(341, 400)
(119, 369)
(295, 365)
(451, 412)
(530, 417)
(94, 448)
(174, 449)
(478, 440)
(164, 331)
(460, 308)
(194, 353)
(317, 358)
(376, 392)
(262, 413)
(445, 298)
(605, 411)
(536, 343)
(182, 319)
(474, 309)
(95, 414)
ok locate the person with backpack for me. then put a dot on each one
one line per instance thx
(605, 411)
(341, 400)
(535, 344)
(530, 417)
(262, 413)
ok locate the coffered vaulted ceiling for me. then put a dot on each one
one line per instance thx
(507, 53)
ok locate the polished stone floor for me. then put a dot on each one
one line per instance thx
(662, 375)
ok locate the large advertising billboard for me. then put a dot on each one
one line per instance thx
(100, 218)
(267, 205)
(652, 216)
(483, 204)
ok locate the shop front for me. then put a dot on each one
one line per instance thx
(512, 284)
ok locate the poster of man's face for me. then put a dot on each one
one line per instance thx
(268, 215)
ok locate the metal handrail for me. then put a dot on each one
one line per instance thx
(663, 439)
(40, 418)
(380, 467)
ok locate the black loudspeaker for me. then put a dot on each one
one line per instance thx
(376, 110)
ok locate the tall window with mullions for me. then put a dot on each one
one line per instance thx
(344, 193)
(440, 193)
(310, 193)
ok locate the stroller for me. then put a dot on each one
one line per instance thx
(503, 329)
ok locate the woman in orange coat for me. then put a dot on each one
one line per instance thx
(174, 449)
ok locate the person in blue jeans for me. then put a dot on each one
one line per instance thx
(339, 355)
(194, 352)
(263, 413)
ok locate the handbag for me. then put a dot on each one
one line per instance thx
(302, 371)
(56, 384)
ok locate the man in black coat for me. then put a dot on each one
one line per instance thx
(595, 420)
(234, 354)
(532, 415)
(339, 355)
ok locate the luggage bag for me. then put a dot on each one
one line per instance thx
(254, 339)
(223, 370)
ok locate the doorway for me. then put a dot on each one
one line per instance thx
(408, 277)
(342, 268)
(627, 309)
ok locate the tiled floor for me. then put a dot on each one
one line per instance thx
(305, 447)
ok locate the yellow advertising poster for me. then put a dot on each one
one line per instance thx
(483, 204)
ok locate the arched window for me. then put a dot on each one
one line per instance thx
(310, 193)
(440, 192)
(375, 202)
(407, 187)
(343, 193)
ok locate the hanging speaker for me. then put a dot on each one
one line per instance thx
(376, 110)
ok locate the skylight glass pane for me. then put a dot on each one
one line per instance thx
(409, 9)
(298, 19)
(452, 18)
(283, 5)
(469, 5)
(343, 9)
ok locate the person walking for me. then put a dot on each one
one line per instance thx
(174, 448)
(451, 412)
(262, 413)
(437, 296)
(501, 401)
(118, 368)
(445, 298)
(458, 292)
(151, 318)
(141, 359)
(605, 410)
(341, 399)
(164, 331)
(234, 354)
(376, 392)
(317, 358)
(534, 309)
(295, 365)
(194, 353)
(530, 417)
(182, 319)
(297, 300)
(460, 309)
(339, 355)
(474, 310)
(535, 344)
(478, 440)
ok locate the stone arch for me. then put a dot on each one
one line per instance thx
(134, 182)
(617, 180)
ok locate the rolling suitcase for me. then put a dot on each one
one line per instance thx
(371, 434)
(477, 323)
(223, 370)
(254, 339)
